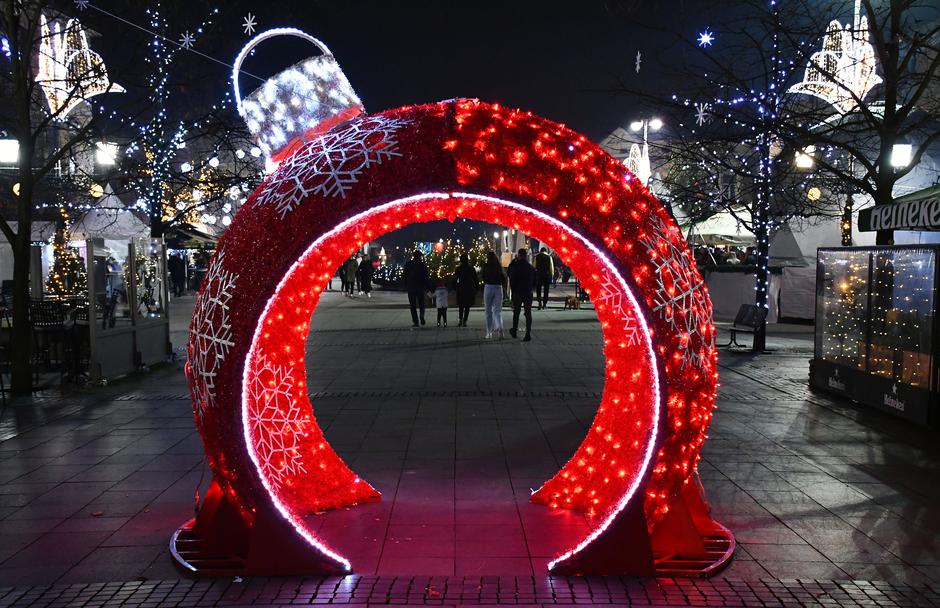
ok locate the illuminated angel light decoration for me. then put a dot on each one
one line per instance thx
(634, 473)
(69, 72)
(298, 104)
(845, 70)
(638, 162)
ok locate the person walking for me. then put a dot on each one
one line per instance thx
(351, 270)
(365, 276)
(494, 285)
(417, 280)
(466, 283)
(521, 282)
(440, 299)
(177, 274)
(544, 271)
(341, 271)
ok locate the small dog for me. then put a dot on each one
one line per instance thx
(572, 303)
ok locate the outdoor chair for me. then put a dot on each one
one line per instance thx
(749, 318)
(52, 332)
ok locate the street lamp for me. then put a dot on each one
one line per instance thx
(805, 159)
(901, 155)
(9, 151)
(106, 154)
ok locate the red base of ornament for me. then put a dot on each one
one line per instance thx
(221, 542)
(687, 542)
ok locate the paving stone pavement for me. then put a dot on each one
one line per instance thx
(454, 431)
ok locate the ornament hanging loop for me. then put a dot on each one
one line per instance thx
(261, 37)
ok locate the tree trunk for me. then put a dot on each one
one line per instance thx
(21, 374)
(761, 298)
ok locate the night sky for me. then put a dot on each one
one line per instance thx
(560, 59)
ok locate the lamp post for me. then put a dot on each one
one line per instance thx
(639, 159)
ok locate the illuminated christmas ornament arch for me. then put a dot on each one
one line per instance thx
(634, 473)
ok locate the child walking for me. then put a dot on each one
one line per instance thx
(440, 295)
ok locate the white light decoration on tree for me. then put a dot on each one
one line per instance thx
(638, 162)
(297, 104)
(845, 70)
(68, 71)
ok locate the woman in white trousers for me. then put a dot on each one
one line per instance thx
(494, 284)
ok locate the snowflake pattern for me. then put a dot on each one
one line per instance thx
(702, 113)
(187, 40)
(249, 24)
(612, 296)
(680, 298)
(212, 333)
(81, 4)
(331, 164)
(275, 419)
(639, 61)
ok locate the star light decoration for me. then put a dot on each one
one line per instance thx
(211, 333)
(706, 38)
(249, 24)
(187, 40)
(331, 164)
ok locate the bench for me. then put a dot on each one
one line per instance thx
(749, 318)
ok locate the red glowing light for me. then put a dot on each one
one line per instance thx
(456, 159)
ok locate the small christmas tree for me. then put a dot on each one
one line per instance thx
(68, 276)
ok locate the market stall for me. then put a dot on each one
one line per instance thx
(877, 335)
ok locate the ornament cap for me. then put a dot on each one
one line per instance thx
(297, 104)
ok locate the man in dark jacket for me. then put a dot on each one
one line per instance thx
(365, 276)
(543, 277)
(417, 282)
(521, 282)
(466, 283)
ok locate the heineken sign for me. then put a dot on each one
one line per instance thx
(921, 214)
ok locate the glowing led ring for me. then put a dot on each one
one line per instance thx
(463, 158)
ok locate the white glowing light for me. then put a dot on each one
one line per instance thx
(68, 71)
(805, 159)
(105, 153)
(239, 154)
(845, 70)
(9, 151)
(636, 125)
(255, 151)
(901, 155)
(705, 39)
(656, 124)
(645, 332)
(214, 162)
(186, 167)
(295, 100)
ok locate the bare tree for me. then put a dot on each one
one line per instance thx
(833, 85)
(46, 113)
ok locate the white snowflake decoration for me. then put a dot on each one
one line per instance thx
(275, 419)
(702, 115)
(187, 40)
(680, 298)
(212, 332)
(81, 4)
(249, 24)
(331, 164)
(612, 296)
(639, 61)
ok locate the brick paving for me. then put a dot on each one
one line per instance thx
(92, 485)
(487, 590)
